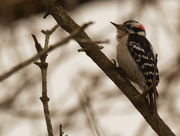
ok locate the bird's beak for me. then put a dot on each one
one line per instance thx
(119, 26)
(116, 25)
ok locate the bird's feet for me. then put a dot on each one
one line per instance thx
(114, 66)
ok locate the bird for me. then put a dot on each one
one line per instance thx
(136, 58)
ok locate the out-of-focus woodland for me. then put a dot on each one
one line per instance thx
(82, 98)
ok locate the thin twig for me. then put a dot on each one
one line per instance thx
(45, 51)
(60, 130)
(43, 67)
(89, 41)
(96, 42)
(85, 103)
(47, 34)
(37, 44)
(44, 99)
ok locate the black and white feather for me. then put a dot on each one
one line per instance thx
(142, 52)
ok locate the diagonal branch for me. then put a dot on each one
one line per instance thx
(42, 52)
(93, 51)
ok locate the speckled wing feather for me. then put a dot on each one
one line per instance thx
(142, 53)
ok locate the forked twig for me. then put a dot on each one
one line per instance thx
(43, 67)
(60, 130)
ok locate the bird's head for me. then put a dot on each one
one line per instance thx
(130, 27)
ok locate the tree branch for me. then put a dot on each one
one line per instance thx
(43, 65)
(93, 51)
(42, 52)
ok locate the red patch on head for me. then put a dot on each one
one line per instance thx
(142, 27)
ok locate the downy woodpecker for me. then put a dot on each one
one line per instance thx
(135, 56)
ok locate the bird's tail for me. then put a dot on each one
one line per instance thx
(151, 100)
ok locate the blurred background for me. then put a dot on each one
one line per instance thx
(82, 98)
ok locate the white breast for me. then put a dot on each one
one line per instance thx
(128, 65)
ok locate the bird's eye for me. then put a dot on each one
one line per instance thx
(128, 27)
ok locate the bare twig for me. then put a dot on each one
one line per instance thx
(43, 66)
(82, 50)
(37, 44)
(44, 99)
(85, 103)
(47, 34)
(46, 14)
(43, 52)
(60, 130)
(90, 41)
